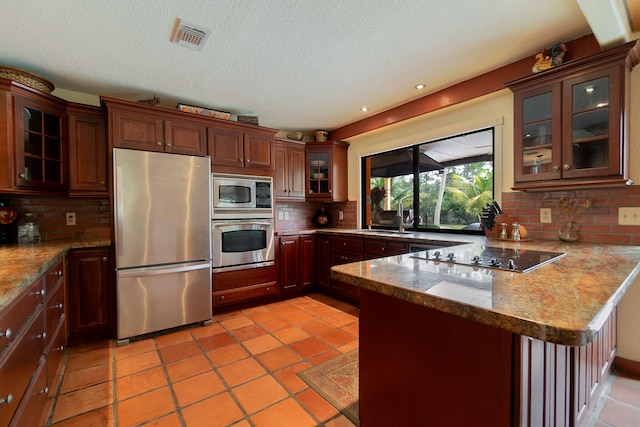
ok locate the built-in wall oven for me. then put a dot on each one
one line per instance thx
(242, 226)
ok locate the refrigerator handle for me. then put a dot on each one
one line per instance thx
(119, 212)
(150, 271)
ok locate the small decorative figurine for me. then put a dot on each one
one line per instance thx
(555, 58)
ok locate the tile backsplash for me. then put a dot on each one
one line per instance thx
(301, 215)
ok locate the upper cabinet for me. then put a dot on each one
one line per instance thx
(327, 171)
(87, 151)
(142, 127)
(239, 148)
(289, 177)
(570, 124)
(33, 158)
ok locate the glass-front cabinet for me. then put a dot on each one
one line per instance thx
(319, 176)
(327, 171)
(41, 145)
(569, 124)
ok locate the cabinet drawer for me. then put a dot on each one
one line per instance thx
(351, 244)
(385, 247)
(13, 317)
(54, 357)
(244, 293)
(54, 310)
(236, 279)
(34, 407)
(54, 276)
(17, 367)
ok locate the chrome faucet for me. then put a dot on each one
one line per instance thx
(400, 218)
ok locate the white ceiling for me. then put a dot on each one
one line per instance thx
(297, 64)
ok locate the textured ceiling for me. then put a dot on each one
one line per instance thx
(297, 64)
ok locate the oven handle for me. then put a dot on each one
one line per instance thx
(235, 224)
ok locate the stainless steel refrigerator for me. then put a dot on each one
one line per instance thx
(162, 221)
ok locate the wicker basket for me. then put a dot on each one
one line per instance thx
(26, 78)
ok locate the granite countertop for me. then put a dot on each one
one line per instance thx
(21, 265)
(564, 302)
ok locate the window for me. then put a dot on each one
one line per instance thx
(438, 185)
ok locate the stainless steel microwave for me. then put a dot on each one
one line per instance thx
(241, 196)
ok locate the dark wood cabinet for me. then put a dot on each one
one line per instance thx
(326, 169)
(33, 131)
(307, 261)
(235, 149)
(289, 177)
(91, 295)
(570, 124)
(296, 259)
(322, 251)
(140, 127)
(87, 151)
(344, 250)
(240, 286)
(375, 248)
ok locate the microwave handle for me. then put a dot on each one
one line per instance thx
(233, 224)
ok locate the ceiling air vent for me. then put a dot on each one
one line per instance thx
(191, 36)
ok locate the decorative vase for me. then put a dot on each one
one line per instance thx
(568, 232)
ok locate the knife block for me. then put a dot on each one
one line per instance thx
(495, 232)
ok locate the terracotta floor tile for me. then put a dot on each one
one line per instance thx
(97, 418)
(207, 331)
(134, 348)
(340, 319)
(91, 346)
(274, 324)
(188, 367)
(289, 378)
(323, 357)
(261, 316)
(217, 411)
(325, 311)
(83, 400)
(278, 358)
(287, 413)
(256, 309)
(309, 347)
(353, 329)
(292, 334)
(236, 322)
(339, 421)
(179, 351)
(88, 359)
(261, 344)
(299, 318)
(197, 388)
(75, 380)
(316, 327)
(217, 341)
(248, 332)
(241, 372)
(259, 393)
(349, 346)
(619, 414)
(336, 337)
(228, 315)
(145, 407)
(137, 363)
(625, 393)
(286, 309)
(140, 382)
(242, 423)
(171, 420)
(173, 338)
(229, 354)
(317, 405)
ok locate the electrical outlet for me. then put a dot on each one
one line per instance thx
(341, 215)
(71, 218)
(545, 215)
(280, 215)
(286, 215)
(629, 216)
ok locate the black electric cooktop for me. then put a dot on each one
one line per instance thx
(518, 260)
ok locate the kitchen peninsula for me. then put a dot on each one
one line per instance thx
(445, 344)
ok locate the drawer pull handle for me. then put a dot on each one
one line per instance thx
(58, 273)
(168, 144)
(7, 333)
(43, 335)
(159, 143)
(7, 399)
(221, 297)
(44, 391)
(41, 292)
(104, 258)
(58, 306)
(61, 348)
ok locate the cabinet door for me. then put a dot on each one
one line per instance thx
(41, 145)
(90, 295)
(296, 172)
(322, 261)
(184, 137)
(307, 260)
(592, 114)
(137, 130)
(538, 134)
(258, 151)
(289, 263)
(319, 174)
(87, 152)
(225, 147)
(281, 174)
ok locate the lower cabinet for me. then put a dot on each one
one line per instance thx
(34, 338)
(296, 262)
(233, 287)
(344, 250)
(91, 295)
(560, 385)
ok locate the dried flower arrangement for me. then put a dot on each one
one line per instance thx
(377, 195)
(570, 207)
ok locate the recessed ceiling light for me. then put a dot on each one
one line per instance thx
(589, 89)
(420, 86)
(364, 109)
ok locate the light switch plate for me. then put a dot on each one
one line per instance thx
(545, 215)
(629, 216)
(71, 218)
